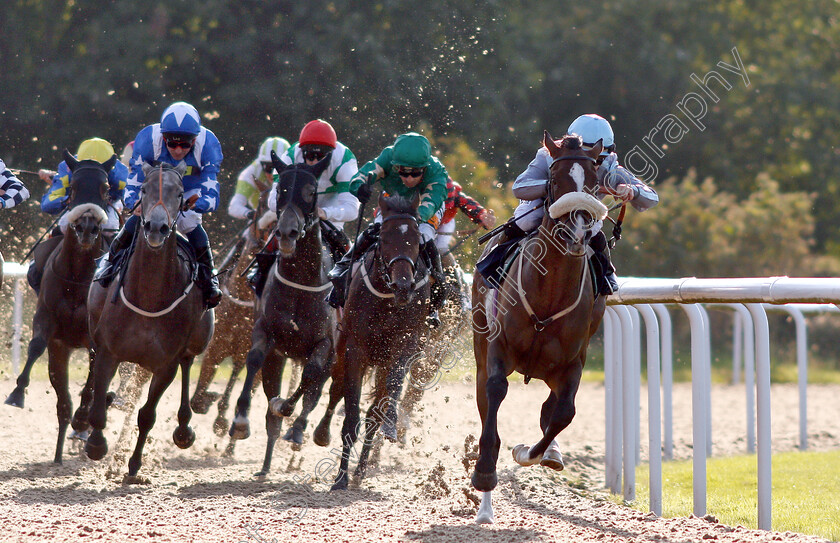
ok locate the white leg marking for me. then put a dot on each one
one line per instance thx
(485, 510)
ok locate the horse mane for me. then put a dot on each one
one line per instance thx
(570, 141)
(400, 204)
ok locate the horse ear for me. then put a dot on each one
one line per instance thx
(383, 202)
(596, 150)
(548, 143)
(147, 168)
(70, 160)
(277, 163)
(109, 164)
(181, 168)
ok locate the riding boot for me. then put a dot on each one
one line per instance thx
(438, 287)
(105, 271)
(259, 273)
(40, 255)
(607, 281)
(206, 280)
(338, 275)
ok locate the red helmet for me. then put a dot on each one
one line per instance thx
(317, 132)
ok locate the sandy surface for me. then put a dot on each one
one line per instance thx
(419, 493)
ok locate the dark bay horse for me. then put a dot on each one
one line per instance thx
(150, 315)
(542, 317)
(60, 321)
(234, 321)
(293, 319)
(384, 317)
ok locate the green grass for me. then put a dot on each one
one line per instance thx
(804, 491)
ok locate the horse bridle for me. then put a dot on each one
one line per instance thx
(386, 266)
(550, 193)
(309, 216)
(161, 203)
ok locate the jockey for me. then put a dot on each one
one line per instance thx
(55, 200)
(255, 179)
(406, 168)
(457, 199)
(336, 204)
(12, 191)
(177, 138)
(530, 188)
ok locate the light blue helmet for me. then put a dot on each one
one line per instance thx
(591, 128)
(180, 118)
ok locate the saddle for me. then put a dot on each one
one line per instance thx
(185, 250)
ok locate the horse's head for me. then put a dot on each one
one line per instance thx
(87, 197)
(161, 198)
(573, 211)
(399, 245)
(297, 201)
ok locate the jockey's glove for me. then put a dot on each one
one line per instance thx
(364, 191)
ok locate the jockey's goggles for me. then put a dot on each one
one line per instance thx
(174, 143)
(315, 152)
(410, 172)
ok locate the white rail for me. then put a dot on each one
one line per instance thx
(748, 297)
(18, 272)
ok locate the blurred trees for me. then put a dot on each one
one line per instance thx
(485, 79)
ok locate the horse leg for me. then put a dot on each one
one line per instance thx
(202, 399)
(559, 415)
(146, 418)
(352, 396)
(59, 355)
(184, 436)
(521, 452)
(321, 434)
(80, 423)
(42, 328)
(220, 425)
(104, 368)
(241, 427)
(373, 420)
(272, 375)
(495, 386)
(313, 376)
(393, 390)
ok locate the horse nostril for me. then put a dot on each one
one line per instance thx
(147, 227)
(293, 234)
(164, 230)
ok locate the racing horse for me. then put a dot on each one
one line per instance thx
(293, 319)
(150, 314)
(390, 289)
(541, 318)
(60, 321)
(234, 320)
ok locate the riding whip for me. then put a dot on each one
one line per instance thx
(48, 230)
(353, 250)
(489, 235)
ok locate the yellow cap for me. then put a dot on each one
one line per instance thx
(95, 149)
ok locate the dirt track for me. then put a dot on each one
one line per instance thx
(420, 493)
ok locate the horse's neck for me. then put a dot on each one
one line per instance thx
(157, 270)
(551, 264)
(306, 263)
(73, 260)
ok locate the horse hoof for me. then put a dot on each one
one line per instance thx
(15, 398)
(240, 430)
(521, 455)
(80, 424)
(96, 449)
(294, 436)
(484, 518)
(321, 435)
(220, 426)
(553, 459)
(390, 432)
(341, 484)
(201, 402)
(183, 437)
(484, 482)
(135, 480)
(109, 399)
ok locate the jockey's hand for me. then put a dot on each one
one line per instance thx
(322, 214)
(47, 175)
(606, 168)
(623, 192)
(250, 215)
(364, 192)
(487, 219)
(190, 203)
